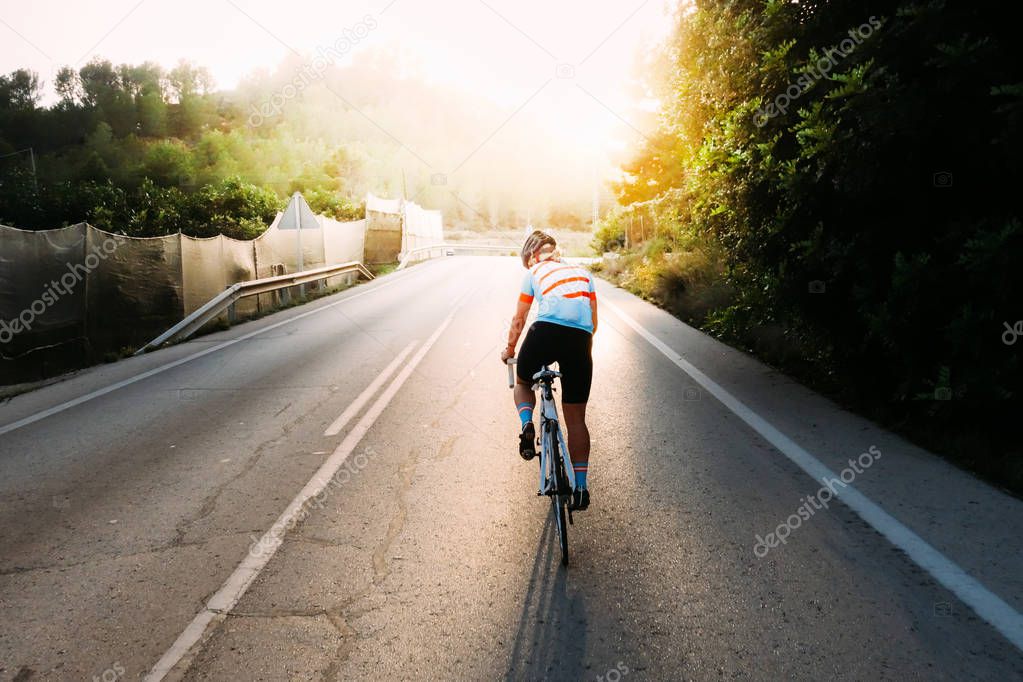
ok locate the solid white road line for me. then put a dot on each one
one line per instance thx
(360, 402)
(221, 603)
(983, 601)
(31, 419)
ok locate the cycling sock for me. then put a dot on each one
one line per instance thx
(525, 413)
(580, 473)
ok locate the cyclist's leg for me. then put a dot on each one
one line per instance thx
(532, 355)
(525, 400)
(579, 449)
(576, 364)
(578, 439)
(530, 359)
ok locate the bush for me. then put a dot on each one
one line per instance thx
(862, 237)
(334, 205)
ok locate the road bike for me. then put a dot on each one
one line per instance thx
(557, 475)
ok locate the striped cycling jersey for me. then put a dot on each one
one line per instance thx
(563, 294)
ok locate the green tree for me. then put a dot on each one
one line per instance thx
(20, 90)
(169, 163)
(855, 163)
(104, 92)
(69, 87)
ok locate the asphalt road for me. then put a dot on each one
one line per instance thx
(134, 524)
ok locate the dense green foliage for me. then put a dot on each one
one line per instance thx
(144, 152)
(332, 129)
(845, 173)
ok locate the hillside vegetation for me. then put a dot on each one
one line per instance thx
(144, 150)
(834, 185)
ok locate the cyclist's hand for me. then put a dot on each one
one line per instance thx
(506, 354)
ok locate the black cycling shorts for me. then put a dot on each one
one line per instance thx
(546, 343)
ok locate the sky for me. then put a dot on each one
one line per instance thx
(571, 64)
(502, 49)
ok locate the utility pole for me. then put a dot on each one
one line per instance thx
(405, 246)
(298, 239)
(32, 162)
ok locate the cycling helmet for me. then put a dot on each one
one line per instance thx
(533, 244)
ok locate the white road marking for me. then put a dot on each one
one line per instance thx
(360, 402)
(983, 601)
(221, 603)
(31, 419)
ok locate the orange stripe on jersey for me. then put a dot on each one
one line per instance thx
(525, 298)
(577, 294)
(552, 271)
(565, 281)
(536, 267)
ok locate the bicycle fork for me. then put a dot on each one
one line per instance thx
(549, 429)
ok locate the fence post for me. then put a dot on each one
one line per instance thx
(255, 275)
(181, 274)
(85, 295)
(298, 238)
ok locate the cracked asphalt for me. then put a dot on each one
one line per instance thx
(433, 557)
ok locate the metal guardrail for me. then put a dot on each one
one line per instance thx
(226, 299)
(444, 249)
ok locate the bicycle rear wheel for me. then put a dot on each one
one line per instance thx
(558, 499)
(559, 516)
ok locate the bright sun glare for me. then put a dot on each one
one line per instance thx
(501, 50)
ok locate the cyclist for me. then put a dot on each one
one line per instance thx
(563, 333)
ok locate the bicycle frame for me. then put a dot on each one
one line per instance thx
(557, 474)
(549, 423)
(544, 381)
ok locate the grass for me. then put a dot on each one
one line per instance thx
(221, 323)
(691, 286)
(381, 269)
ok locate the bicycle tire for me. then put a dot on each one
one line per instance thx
(557, 499)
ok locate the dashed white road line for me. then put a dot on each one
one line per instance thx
(988, 605)
(221, 603)
(360, 402)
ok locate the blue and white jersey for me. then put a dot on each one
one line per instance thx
(563, 293)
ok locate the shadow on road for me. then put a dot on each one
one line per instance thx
(550, 640)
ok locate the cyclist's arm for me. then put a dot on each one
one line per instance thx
(526, 294)
(518, 322)
(593, 303)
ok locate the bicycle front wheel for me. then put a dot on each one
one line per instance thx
(558, 507)
(558, 499)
